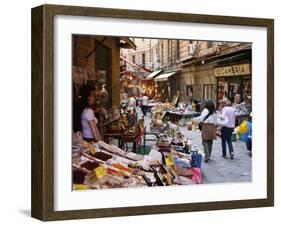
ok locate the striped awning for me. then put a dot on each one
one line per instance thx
(153, 74)
(164, 77)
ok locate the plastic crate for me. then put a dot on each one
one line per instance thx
(243, 137)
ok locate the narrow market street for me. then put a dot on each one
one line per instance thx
(218, 169)
(141, 107)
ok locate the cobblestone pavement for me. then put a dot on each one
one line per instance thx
(218, 169)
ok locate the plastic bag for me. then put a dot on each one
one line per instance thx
(197, 175)
(243, 127)
(221, 121)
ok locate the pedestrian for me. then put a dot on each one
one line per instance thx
(144, 103)
(208, 123)
(196, 105)
(132, 101)
(227, 117)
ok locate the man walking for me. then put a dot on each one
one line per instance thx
(144, 103)
(228, 116)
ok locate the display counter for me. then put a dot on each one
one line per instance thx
(100, 165)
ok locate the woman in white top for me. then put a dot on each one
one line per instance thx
(208, 118)
(132, 101)
(89, 121)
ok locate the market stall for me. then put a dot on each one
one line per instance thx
(162, 112)
(173, 161)
(181, 116)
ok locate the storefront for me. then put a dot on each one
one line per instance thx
(197, 81)
(234, 82)
(96, 63)
(164, 82)
(148, 84)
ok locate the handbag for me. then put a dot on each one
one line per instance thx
(208, 132)
(200, 125)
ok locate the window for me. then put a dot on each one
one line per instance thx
(134, 59)
(209, 92)
(143, 59)
(209, 44)
(178, 49)
(189, 91)
(162, 53)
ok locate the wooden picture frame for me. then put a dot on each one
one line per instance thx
(42, 203)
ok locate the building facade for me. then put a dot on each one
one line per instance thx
(97, 57)
(141, 56)
(218, 71)
(195, 69)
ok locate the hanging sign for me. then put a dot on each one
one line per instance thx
(239, 69)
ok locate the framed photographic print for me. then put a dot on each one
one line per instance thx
(141, 112)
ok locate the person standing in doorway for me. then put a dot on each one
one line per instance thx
(144, 103)
(228, 117)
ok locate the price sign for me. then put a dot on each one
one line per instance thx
(100, 171)
(80, 187)
(168, 161)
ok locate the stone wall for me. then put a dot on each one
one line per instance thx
(197, 76)
(82, 46)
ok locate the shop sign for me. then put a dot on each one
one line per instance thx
(240, 69)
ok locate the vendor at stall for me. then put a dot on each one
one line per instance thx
(237, 99)
(196, 105)
(248, 103)
(89, 121)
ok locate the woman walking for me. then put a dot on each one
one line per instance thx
(208, 122)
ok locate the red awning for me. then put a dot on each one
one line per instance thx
(135, 65)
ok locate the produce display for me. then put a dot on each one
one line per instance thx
(101, 165)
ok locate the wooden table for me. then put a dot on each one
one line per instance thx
(175, 116)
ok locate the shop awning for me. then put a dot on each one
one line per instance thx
(164, 77)
(153, 74)
(135, 65)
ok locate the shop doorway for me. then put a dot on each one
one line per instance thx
(103, 68)
(228, 87)
(189, 92)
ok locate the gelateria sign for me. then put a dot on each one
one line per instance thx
(239, 69)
